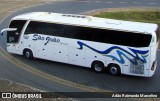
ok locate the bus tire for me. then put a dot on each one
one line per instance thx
(98, 66)
(28, 54)
(114, 69)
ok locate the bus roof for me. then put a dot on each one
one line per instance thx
(89, 21)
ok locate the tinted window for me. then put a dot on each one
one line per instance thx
(67, 31)
(13, 36)
(121, 38)
(90, 34)
(41, 28)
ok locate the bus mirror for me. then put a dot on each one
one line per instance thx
(7, 29)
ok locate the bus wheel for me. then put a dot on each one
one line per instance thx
(98, 66)
(28, 54)
(114, 69)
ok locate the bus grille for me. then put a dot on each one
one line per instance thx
(137, 69)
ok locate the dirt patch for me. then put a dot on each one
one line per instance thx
(9, 6)
(10, 86)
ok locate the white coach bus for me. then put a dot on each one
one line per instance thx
(121, 47)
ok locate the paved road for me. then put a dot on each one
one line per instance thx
(74, 73)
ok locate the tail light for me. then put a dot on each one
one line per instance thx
(153, 65)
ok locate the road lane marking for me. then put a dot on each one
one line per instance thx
(97, 1)
(152, 3)
(56, 79)
(109, 2)
(35, 70)
(48, 76)
(84, 1)
(123, 2)
(136, 2)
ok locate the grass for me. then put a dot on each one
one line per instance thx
(140, 16)
(152, 16)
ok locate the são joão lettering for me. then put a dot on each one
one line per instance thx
(47, 39)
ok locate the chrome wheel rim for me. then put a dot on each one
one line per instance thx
(113, 70)
(27, 54)
(98, 67)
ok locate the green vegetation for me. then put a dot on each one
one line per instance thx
(152, 16)
(141, 16)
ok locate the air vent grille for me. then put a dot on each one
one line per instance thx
(137, 69)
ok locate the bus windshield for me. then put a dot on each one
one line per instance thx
(13, 36)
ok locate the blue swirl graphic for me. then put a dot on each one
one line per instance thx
(121, 52)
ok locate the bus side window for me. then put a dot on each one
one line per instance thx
(85, 34)
(30, 28)
(97, 35)
(121, 38)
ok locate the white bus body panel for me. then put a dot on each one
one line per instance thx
(83, 53)
(68, 51)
